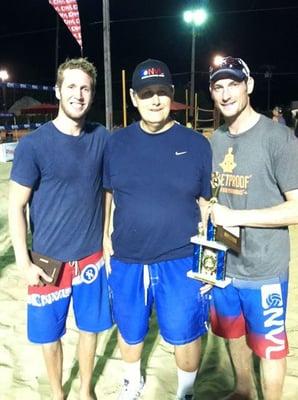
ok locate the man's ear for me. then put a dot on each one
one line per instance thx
(250, 85)
(132, 94)
(210, 90)
(173, 92)
(57, 93)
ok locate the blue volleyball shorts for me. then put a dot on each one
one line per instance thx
(85, 282)
(255, 309)
(182, 312)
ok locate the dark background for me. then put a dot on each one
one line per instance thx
(263, 33)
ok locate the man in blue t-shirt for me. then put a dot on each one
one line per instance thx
(57, 170)
(158, 173)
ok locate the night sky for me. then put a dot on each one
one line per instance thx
(263, 33)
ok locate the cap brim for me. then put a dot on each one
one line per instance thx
(236, 75)
(151, 82)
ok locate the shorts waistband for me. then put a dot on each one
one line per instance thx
(249, 284)
(78, 265)
(91, 259)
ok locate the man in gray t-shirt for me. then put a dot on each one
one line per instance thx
(257, 162)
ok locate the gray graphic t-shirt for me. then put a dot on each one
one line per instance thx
(256, 168)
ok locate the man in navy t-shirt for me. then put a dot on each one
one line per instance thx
(57, 170)
(158, 174)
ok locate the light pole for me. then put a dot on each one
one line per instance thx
(196, 18)
(107, 64)
(268, 76)
(3, 77)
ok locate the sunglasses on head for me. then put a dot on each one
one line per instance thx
(230, 63)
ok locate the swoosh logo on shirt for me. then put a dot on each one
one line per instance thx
(179, 153)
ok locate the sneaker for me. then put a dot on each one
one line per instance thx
(131, 392)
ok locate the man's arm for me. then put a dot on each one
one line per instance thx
(107, 241)
(281, 215)
(19, 196)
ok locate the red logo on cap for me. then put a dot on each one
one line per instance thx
(146, 73)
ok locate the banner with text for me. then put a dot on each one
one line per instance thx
(69, 12)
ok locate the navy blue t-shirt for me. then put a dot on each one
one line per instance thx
(65, 174)
(156, 179)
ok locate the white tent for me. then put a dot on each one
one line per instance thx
(23, 102)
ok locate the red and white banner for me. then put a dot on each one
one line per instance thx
(69, 12)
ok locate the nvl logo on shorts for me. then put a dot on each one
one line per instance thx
(40, 300)
(89, 273)
(273, 312)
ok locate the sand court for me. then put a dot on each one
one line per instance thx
(22, 371)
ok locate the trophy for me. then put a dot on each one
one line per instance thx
(210, 248)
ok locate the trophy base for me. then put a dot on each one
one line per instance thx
(222, 283)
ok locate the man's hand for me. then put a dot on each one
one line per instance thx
(222, 215)
(205, 211)
(33, 273)
(107, 253)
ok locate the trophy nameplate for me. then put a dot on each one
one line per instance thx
(210, 248)
(230, 236)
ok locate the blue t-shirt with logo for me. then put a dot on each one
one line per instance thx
(65, 174)
(156, 180)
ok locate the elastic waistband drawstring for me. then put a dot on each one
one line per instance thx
(75, 265)
(146, 282)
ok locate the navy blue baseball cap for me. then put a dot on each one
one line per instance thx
(229, 68)
(151, 72)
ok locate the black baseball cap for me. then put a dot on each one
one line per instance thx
(229, 68)
(151, 72)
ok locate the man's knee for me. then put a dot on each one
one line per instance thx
(188, 355)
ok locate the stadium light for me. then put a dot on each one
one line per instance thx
(217, 60)
(3, 77)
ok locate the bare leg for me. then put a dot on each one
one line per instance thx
(129, 353)
(273, 375)
(187, 361)
(188, 356)
(53, 357)
(131, 357)
(242, 359)
(86, 354)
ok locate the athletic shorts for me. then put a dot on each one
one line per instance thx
(85, 282)
(182, 312)
(255, 309)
